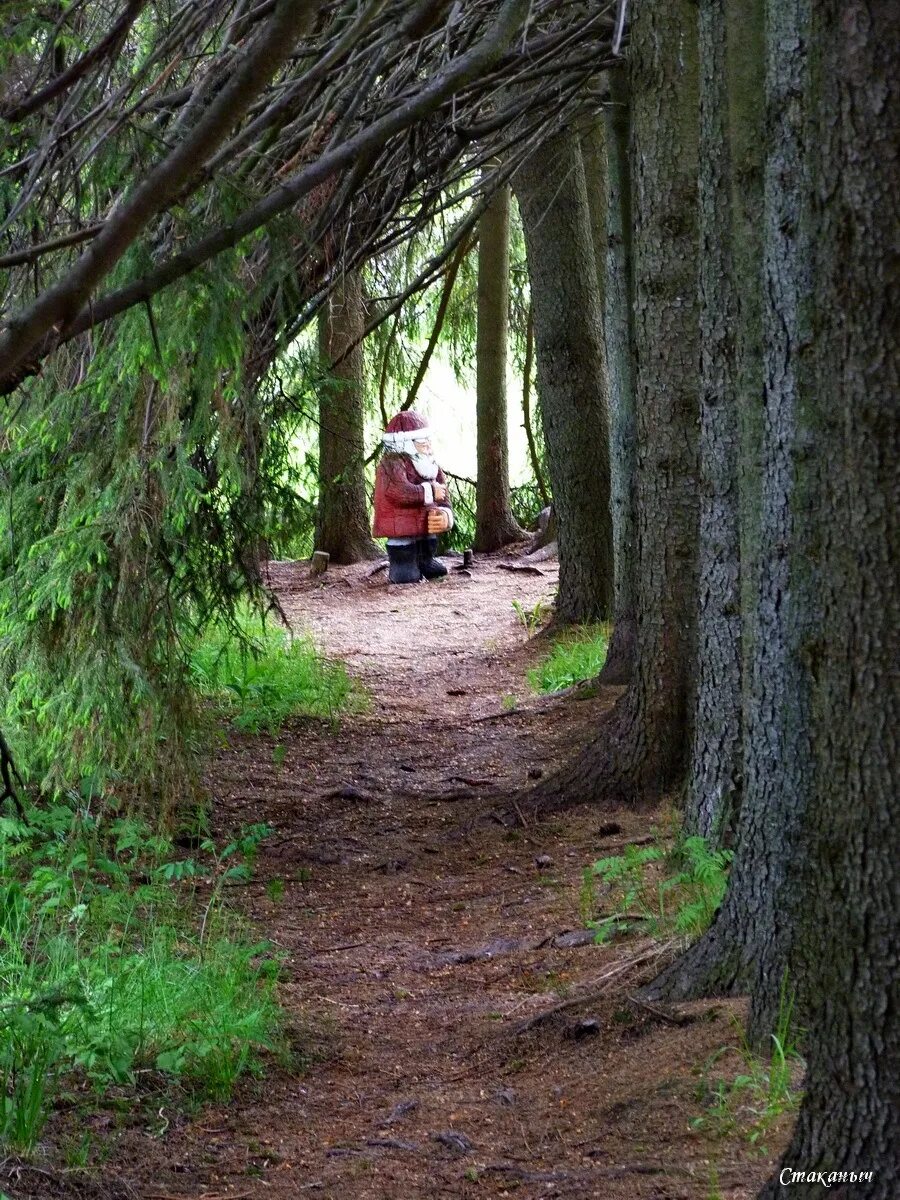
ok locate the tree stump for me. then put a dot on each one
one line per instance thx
(318, 564)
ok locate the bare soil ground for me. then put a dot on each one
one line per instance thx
(468, 1039)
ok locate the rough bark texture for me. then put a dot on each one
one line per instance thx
(745, 67)
(342, 524)
(495, 525)
(715, 776)
(750, 943)
(593, 155)
(642, 751)
(618, 326)
(571, 372)
(847, 925)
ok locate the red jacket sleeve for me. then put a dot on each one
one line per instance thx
(399, 489)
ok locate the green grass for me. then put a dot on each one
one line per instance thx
(752, 1102)
(577, 654)
(270, 677)
(116, 972)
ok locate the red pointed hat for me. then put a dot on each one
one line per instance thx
(405, 428)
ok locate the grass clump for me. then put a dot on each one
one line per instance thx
(663, 892)
(576, 655)
(753, 1101)
(262, 674)
(111, 970)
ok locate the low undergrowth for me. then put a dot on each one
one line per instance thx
(121, 966)
(663, 891)
(752, 1102)
(577, 654)
(269, 674)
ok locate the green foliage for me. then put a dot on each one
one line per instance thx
(663, 893)
(139, 493)
(108, 973)
(268, 674)
(754, 1100)
(577, 654)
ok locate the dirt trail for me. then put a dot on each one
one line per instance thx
(422, 934)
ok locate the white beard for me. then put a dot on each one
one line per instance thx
(426, 466)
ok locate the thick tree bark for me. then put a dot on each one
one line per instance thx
(846, 935)
(746, 73)
(714, 783)
(571, 372)
(750, 943)
(342, 523)
(618, 326)
(641, 750)
(593, 155)
(495, 525)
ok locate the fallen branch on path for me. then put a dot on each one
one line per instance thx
(620, 969)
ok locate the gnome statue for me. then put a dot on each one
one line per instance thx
(412, 504)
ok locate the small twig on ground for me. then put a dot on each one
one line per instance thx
(335, 949)
(519, 813)
(671, 1018)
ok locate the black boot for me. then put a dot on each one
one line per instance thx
(404, 562)
(428, 564)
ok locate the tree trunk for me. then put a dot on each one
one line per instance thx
(618, 326)
(749, 945)
(847, 923)
(527, 424)
(571, 372)
(342, 523)
(640, 752)
(714, 784)
(746, 72)
(495, 525)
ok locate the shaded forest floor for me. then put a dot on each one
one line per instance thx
(465, 1036)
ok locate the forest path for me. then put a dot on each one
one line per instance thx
(420, 934)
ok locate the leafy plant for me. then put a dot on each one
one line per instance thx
(576, 655)
(109, 967)
(664, 892)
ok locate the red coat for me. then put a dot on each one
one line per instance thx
(403, 498)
